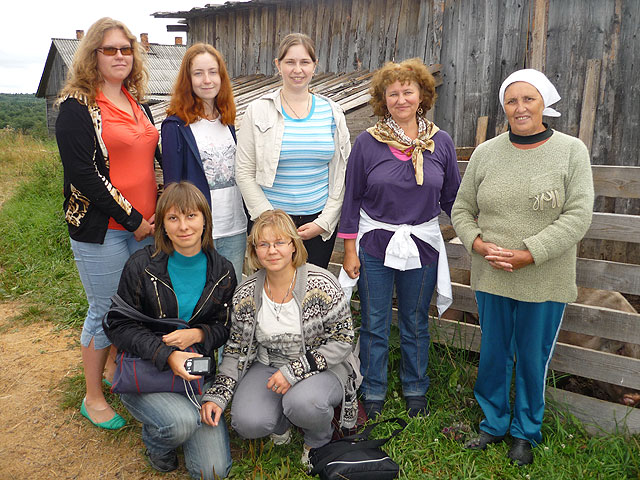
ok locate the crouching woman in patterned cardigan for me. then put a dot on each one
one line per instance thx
(288, 360)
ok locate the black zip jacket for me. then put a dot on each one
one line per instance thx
(145, 285)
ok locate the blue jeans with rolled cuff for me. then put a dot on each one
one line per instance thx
(170, 420)
(414, 289)
(100, 266)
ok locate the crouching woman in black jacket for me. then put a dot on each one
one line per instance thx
(182, 277)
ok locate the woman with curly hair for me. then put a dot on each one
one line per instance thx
(199, 145)
(401, 173)
(107, 142)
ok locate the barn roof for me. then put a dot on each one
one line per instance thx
(212, 9)
(349, 90)
(163, 63)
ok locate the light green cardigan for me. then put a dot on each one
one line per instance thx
(539, 199)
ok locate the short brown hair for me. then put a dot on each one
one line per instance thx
(412, 70)
(186, 104)
(281, 224)
(84, 78)
(297, 39)
(185, 197)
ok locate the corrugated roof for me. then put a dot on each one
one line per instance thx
(163, 62)
(349, 90)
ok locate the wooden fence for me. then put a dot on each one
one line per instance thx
(597, 415)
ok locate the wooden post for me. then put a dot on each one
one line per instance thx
(481, 130)
(589, 101)
(539, 35)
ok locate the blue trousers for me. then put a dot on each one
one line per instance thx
(529, 331)
(414, 290)
(233, 248)
(170, 420)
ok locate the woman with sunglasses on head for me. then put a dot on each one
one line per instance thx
(288, 360)
(107, 142)
(198, 145)
(292, 151)
(182, 277)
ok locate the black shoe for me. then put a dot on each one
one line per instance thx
(481, 442)
(417, 406)
(372, 408)
(520, 452)
(163, 463)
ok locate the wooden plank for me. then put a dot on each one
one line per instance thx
(598, 416)
(602, 366)
(605, 275)
(602, 322)
(539, 35)
(481, 129)
(615, 226)
(589, 102)
(434, 42)
(616, 181)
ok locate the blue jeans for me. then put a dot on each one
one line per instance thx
(414, 291)
(100, 267)
(529, 331)
(233, 248)
(170, 420)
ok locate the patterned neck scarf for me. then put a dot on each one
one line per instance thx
(388, 131)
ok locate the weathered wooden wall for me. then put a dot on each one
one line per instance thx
(478, 44)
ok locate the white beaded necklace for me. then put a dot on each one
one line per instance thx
(278, 306)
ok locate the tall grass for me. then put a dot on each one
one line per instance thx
(35, 255)
(36, 265)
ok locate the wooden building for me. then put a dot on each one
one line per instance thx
(590, 49)
(163, 63)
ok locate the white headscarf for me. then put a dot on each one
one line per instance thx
(541, 82)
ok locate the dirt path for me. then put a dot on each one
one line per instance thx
(39, 439)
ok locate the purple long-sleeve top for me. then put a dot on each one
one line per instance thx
(383, 183)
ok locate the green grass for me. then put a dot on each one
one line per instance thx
(36, 266)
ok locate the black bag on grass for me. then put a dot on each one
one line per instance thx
(356, 457)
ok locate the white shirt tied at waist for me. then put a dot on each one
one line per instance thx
(402, 253)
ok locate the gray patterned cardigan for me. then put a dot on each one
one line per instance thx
(327, 336)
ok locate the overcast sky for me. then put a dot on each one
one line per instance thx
(29, 25)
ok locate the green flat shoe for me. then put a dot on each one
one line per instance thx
(107, 382)
(116, 422)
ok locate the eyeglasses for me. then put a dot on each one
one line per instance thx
(111, 51)
(279, 245)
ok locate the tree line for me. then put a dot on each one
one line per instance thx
(24, 113)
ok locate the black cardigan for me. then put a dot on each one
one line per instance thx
(145, 285)
(89, 197)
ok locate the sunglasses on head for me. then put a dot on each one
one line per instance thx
(111, 51)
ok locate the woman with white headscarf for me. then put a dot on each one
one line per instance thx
(524, 203)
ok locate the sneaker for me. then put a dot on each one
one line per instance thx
(372, 408)
(304, 460)
(417, 406)
(163, 463)
(281, 439)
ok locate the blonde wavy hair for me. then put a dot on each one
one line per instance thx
(84, 78)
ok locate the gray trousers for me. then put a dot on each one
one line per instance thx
(257, 411)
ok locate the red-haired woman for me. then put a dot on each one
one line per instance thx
(199, 145)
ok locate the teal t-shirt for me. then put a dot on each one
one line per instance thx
(188, 276)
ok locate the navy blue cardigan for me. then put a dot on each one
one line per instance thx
(180, 156)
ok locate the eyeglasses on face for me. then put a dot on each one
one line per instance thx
(279, 245)
(111, 51)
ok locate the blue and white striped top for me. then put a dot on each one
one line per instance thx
(301, 185)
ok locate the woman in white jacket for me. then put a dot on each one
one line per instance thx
(292, 152)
